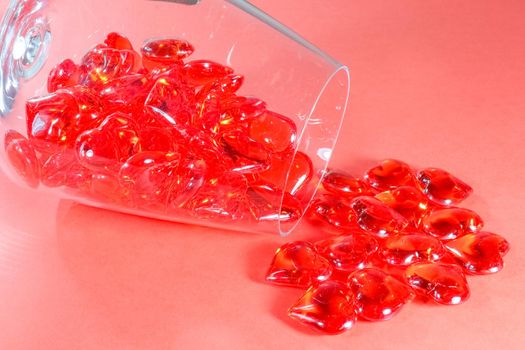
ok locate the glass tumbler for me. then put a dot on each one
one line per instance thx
(204, 112)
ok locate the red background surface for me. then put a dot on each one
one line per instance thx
(435, 83)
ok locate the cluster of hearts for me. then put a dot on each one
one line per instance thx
(399, 235)
(147, 130)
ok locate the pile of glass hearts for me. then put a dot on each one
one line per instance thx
(152, 132)
(399, 235)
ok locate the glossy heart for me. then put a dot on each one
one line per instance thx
(298, 264)
(479, 253)
(377, 218)
(451, 223)
(348, 252)
(379, 296)
(442, 187)
(444, 283)
(328, 307)
(389, 174)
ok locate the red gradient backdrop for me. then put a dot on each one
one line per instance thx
(435, 83)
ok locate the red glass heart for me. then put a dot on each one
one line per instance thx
(65, 74)
(444, 283)
(118, 41)
(276, 132)
(442, 187)
(241, 108)
(241, 144)
(333, 211)
(376, 218)
(479, 253)
(406, 249)
(298, 264)
(389, 174)
(378, 295)
(349, 252)
(228, 84)
(328, 307)
(301, 172)
(101, 65)
(202, 72)
(451, 223)
(344, 185)
(166, 50)
(112, 143)
(49, 120)
(149, 175)
(97, 150)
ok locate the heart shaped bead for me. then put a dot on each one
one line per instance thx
(349, 252)
(328, 307)
(242, 108)
(300, 172)
(48, 120)
(166, 50)
(276, 132)
(298, 264)
(241, 144)
(202, 72)
(149, 176)
(378, 295)
(65, 74)
(389, 174)
(55, 120)
(406, 249)
(344, 185)
(112, 143)
(101, 65)
(118, 41)
(444, 283)
(451, 223)
(479, 253)
(442, 187)
(376, 218)
(333, 211)
(228, 84)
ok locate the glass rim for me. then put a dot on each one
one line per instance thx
(340, 69)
